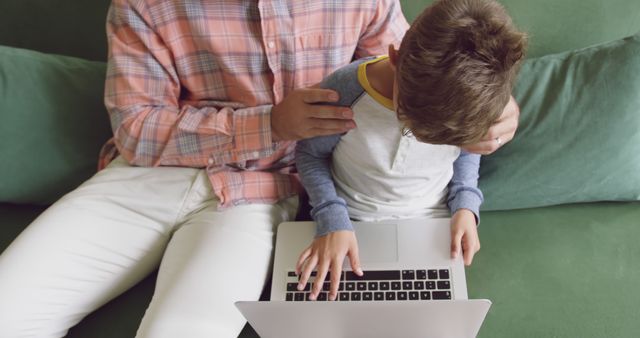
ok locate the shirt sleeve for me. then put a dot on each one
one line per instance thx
(386, 27)
(463, 188)
(151, 127)
(313, 159)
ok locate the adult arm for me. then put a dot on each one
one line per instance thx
(152, 127)
(386, 26)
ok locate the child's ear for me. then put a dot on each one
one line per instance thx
(393, 56)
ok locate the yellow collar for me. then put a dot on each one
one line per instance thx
(364, 82)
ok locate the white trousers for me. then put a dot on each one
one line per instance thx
(105, 236)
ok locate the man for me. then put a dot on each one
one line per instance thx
(205, 99)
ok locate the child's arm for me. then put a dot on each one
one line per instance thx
(335, 238)
(464, 202)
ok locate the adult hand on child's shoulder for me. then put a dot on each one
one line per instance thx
(301, 115)
(500, 133)
(464, 235)
(327, 253)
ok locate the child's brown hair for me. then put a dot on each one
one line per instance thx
(455, 70)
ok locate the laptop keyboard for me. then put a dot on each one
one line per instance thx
(379, 285)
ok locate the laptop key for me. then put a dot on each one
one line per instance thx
(407, 285)
(367, 295)
(292, 286)
(344, 296)
(355, 296)
(351, 286)
(326, 286)
(361, 286)
(341, 286)
(421, 274)
(322, 296)
(373, 286)
(299, 296)
(431, 285)
(433, 274)
(425, 295)
(307, 296)
(441, 294)
(289, 296)
(350, 275)
(390, 295)
(444, 274)
(291, 274)
(402, 295)
(408, 274)
(418, 285)
(384, 285)
(375, 275)
(378, 295)
(444, 285)
(395, 286)
(413, 295)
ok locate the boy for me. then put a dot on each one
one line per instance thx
(444, 87)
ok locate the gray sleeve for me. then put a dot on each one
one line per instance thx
(463, 188)
(313, 160)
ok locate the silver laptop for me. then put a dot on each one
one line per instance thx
(411, 287)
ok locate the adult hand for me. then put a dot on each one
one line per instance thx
(464, 235)
(299, 115)
(500, 133)
(328, 252)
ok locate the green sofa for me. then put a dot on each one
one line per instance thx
(555, 271)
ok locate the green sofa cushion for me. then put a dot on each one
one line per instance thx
(52, 124)
(564, 271)
(579, 134)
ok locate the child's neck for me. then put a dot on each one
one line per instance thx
(381, 76)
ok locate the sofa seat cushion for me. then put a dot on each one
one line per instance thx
(563, 271)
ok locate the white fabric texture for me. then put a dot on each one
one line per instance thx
(390, 175)
(105, 236)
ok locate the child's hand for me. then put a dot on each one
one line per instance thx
(464, 233)
(328, 252)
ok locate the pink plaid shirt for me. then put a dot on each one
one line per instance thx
(191, 83)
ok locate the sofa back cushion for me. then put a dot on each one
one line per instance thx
(52, 124)
(579, 134)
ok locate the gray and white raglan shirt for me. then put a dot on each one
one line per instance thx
(375, 172)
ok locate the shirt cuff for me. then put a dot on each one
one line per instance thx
(331, 218)
(252, 133)
(466, 200)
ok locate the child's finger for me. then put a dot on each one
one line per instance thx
(354, 259)
(303, 257)
(309, 265)
(336, 273)
(469, 252)
(323, 267)
(456, 238)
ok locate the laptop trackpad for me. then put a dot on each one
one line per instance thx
(377, 243)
